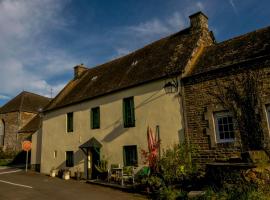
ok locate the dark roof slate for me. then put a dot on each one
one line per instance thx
(141, 66)
(93, 142)
(236, 50)
(32, 126)
(25, 102)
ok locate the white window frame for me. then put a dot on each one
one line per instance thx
(217, 134)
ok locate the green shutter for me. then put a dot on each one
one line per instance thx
(69, 122)
(128, 112)
(95, 118)
(132, 112)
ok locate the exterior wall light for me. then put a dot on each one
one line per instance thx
(171, 87)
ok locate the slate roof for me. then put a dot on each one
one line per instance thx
(144, 65)
(31, 126)
(25, 102)
(93, 142)
(246, 47)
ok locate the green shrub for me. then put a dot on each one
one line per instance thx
(175, 163)
(169, 193)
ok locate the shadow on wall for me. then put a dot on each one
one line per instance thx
(116, 132)
(119, 129)
(79, 159)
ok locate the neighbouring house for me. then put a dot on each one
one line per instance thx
(15, 115)
(211, 127)
(104, 111)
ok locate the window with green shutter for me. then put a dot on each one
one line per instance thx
(129, 112)
(70, 122)
(95, 118)
(69, 159)
(130, 155)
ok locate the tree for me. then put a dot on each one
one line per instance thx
(241, 94)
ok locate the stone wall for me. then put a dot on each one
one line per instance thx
(199, 108)
(13, 122)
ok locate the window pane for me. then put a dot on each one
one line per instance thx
(224, 126)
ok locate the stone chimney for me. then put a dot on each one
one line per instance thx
(78, 70)
(198, 22)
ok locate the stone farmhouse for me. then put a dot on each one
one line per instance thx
(16, 115)
(104, 111)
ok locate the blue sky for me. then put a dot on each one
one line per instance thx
(42, 40)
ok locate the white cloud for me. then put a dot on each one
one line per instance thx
(233, 6)
(158, 27)
(4, 97)
(27, 60)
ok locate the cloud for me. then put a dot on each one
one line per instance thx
(27, 58)
(4, 97)
(233, 6)
(157, 26)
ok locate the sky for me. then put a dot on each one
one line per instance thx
(42, 40)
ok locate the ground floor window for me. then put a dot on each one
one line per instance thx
(69, 159)
(224, 127)
(130, 155)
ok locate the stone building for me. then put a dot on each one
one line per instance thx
(210, 126)
(16, 114)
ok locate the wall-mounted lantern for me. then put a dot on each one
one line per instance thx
(171, 86)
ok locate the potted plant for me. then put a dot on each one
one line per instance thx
(66, 174)
(102, 168)
(53, 172)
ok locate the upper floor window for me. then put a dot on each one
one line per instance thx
(2, 132)
(70, 122)
(128, 112)
(95, 118)
(224, 127)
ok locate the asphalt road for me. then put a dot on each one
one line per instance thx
(18, 185)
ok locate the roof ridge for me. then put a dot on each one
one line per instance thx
(32, 93)
(138, 49)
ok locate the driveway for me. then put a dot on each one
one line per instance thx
(15, 184)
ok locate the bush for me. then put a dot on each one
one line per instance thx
(175, 164)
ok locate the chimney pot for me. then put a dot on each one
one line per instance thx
(78, 70)
(198, 21)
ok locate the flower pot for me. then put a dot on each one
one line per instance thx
(53, 173)
(66, 175)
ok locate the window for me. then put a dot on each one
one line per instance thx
(95, 118)
(128, 112)
(130, 155)
(2, 132)
(69, 159)
(70, 122)
(224, 127)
